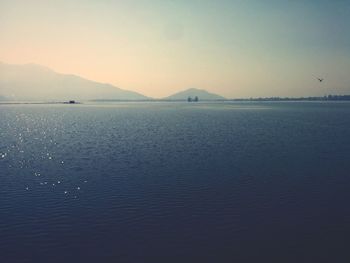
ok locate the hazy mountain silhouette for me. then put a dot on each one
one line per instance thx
(200, 93)
(35, 82)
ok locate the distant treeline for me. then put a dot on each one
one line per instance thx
(324, 98)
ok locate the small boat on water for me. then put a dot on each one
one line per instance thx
(71, 102)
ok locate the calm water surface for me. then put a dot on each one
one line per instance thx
(175, 182)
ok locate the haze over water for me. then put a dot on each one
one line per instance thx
(175, 182)
(158, 47)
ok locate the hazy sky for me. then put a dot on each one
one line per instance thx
(157, 47)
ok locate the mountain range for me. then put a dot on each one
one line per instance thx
(34, 82)
(31, 82)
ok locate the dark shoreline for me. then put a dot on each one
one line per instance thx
(328, 98)
(37, 103)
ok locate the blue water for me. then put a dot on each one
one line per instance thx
(175, 182)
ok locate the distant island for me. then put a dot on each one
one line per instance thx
(192, 93)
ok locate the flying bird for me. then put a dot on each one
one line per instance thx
(320, 80)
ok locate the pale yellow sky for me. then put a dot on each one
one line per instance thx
(233, 48)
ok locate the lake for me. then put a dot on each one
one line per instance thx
(175, 182)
